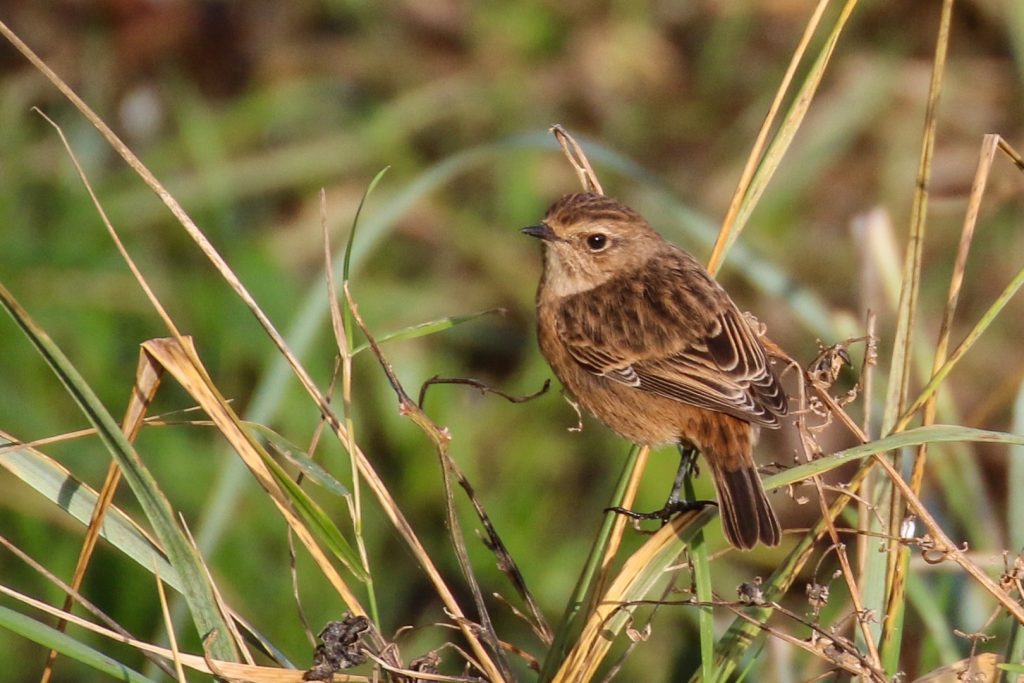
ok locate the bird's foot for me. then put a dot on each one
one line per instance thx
(666, 513)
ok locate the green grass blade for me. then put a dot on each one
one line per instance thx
(317, 519)
(346, 263)
(569, 627)
(428, 328)
(297, 457)
(789, 126)
(1015, 479)
(968, 342)
(195, 587)
(347, 260)
(342, 315)
(742, 635)
(911, 437)
(938, 630)
(75, 497)
(1015, 530)
(51, 638)
(702, 580)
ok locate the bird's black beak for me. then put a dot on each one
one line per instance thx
(541, 230)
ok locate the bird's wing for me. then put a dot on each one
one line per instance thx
(683, 339)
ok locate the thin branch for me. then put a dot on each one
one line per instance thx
(484, 389)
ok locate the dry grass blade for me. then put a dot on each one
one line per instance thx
(440, 437)
(895, 607)
(147, 380)
(900, 379)
(76, 597)
(847, 571)
(190, 227)
(184, 365)
(757, 152)
(231, 671)
(366, 469)
(619, 523)
(989, 147)
(939, 375)
(147, 383)
(233, 624)
(887, 597)
(962, 348)
(169, 628)
(638, 575)
(983, 667)
(763, 162)
(158, 510)
(578, 160)
(821, 390)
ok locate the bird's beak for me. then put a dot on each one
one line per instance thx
(541, 230)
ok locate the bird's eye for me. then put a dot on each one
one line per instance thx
(597, 241)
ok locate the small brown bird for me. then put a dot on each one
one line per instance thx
(642, 336)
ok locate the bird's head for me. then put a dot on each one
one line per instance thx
(589, 239)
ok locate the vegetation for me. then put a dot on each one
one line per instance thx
(872, 224)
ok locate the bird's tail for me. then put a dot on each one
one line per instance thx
(747, 516)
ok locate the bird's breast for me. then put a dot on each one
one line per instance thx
(637, 415)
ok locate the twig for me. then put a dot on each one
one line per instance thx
(441, 439)
(835, 649)
(820, 375)
(545, 638)
(506, 564)
(943, 541)
(420, 675)
(477, 384)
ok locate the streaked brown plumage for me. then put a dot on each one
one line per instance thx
(645, 339)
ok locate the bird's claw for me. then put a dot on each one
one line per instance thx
(664, 514)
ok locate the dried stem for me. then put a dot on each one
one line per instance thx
(441, 439)
(578, 160)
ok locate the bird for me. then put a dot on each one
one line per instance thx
(643, 337)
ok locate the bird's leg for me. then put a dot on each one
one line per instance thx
(687, 467)
(674, 504)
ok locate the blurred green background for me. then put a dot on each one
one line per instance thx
(246, 110)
